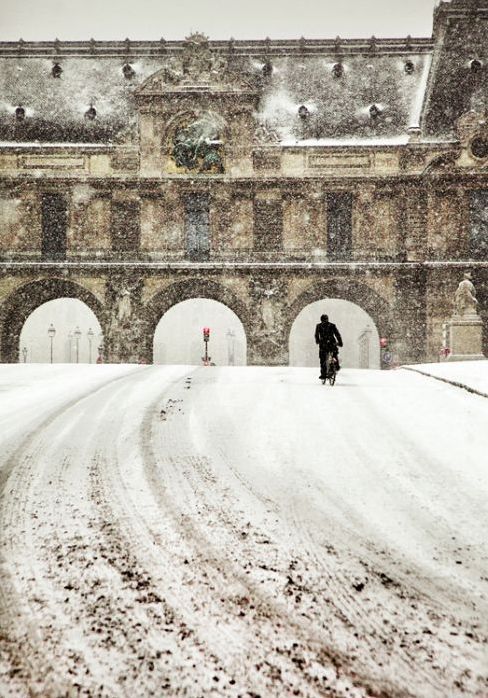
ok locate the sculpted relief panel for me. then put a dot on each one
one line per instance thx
(196, 144)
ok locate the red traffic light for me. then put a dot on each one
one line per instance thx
(206, 332)
(383, 342)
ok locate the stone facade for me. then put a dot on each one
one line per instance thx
(265, 175)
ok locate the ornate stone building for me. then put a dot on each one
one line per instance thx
(263, 174)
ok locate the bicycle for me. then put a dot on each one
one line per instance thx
(330, 369)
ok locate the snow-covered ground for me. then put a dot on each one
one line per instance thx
(242, 532)
(471, 374)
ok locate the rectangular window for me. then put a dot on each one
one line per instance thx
(478, 238)
(54, 217)
(268, 225)
(125, 225)
(339, 225)
(197, 227)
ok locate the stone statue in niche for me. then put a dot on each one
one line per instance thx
(126, 325)
(197, 145)
(124, 308)
(269, 296)
(465, 297)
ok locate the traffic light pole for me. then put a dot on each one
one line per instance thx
(206, 337)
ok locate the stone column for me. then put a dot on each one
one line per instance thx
(267, 343)
(126, 327)
(410, 316)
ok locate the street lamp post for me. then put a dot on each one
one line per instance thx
(206, 337)
(90, 334)
(24, 354)
(51, 332)
(70, 347)
(231, 347)
(77, 334)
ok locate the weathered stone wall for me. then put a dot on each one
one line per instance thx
(20, 228)
(395, 239)
(204, 180)
(266, 301)
(391, 221)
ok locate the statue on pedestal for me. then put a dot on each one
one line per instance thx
(464, 331)
(465, 297)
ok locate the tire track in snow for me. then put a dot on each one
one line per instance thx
(224, 649)
(208, 495)
(114, 496)
(14, 503)
(449, 678)
(22, 471)
(349, 611)
(450, 644)
(141, 644)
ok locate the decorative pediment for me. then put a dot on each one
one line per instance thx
(198, 69)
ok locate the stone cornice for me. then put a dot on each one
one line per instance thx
(130, 50)
(146, 267)
(256, 181)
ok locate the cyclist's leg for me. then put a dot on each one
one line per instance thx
(323, 359)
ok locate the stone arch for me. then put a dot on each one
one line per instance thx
(24, 300)
(173, 294)
(351, 290)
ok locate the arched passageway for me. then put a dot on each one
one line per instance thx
(359, 294)
(358, 330)
(64, 330)
(178, 338)
(27, 298)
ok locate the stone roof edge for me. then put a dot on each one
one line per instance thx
(136, 49)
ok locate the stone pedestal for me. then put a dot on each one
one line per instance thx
(465, 336)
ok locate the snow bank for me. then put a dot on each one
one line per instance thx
(471, 375)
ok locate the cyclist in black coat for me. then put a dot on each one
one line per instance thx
(328, 337)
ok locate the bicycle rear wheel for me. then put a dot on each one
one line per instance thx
(330, 369)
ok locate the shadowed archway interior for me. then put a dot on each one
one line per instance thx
(360, 295)
(24, 300)
(361, 348)
(188, 290)
(179, 334)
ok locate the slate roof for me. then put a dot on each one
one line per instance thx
(380, 90)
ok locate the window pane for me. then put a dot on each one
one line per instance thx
(125, 226)
(479, 223)
(339, 225)
(197, 226)
(268, 225)
(54, 226)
